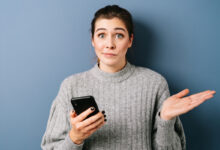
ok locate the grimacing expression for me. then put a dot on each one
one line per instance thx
(111, 40)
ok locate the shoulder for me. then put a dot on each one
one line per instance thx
(147, 74)
(74, 78)
(67, 85)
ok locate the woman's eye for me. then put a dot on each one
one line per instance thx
(119, 36)
(101, 35)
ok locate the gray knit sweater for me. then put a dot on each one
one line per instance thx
(131, 98)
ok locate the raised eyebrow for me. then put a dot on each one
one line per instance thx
(100, 29)
(122, 29)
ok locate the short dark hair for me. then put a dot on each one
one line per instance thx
(111, 11)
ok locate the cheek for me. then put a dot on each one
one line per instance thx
(123, 46)
(98, 46)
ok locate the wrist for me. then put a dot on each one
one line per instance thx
(74, 139)
(164, 116)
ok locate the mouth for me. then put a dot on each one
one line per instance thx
(109, 54)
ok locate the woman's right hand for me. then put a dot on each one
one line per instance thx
(82, 129)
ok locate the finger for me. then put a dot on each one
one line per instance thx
(189, 104)
(98, 127)
(208, 97)
(199, 96)
(182, 93)
(84, 114)
(202, 99)
(94, 125)
(210, 93)
(92, 119)
(203, 93)
(198, 102)
(73, 114)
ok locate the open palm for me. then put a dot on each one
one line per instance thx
(178, 104)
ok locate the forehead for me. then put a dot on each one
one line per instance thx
(109, 23)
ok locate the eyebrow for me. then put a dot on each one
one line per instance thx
(114, 29)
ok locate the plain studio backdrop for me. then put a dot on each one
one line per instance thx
(44, 41)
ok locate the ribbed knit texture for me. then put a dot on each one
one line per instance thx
(131, 98)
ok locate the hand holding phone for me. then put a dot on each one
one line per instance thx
(85, 120)
(80, 104)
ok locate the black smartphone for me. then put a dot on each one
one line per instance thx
(80, 104)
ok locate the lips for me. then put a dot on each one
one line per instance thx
(109, 54)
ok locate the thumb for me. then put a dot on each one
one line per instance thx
(73, 114)
(182, 93)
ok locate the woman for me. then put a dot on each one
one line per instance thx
(141, 114)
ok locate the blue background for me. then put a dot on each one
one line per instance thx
(44, 41)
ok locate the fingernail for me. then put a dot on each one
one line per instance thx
(103, 112)
(92, 108)
(105, 120)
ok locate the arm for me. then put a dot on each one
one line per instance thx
(167, 134)
(56, 136)
(168, 131)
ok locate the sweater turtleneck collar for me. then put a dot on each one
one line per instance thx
(119, 76)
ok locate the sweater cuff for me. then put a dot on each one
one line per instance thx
(165, 123)
(165, 130)
(69, 144)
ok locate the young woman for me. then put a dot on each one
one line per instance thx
(141, 114)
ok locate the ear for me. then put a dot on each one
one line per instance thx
(92, 41)
(131, 40)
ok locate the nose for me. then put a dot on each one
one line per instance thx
(110, 44)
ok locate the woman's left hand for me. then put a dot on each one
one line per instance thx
(177, 104)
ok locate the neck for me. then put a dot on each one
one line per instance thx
(112, 68)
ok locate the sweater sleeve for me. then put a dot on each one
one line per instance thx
(167, 134)
(56, 136)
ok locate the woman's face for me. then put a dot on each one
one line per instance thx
(111, 41)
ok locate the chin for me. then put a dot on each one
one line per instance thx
(109, 62)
